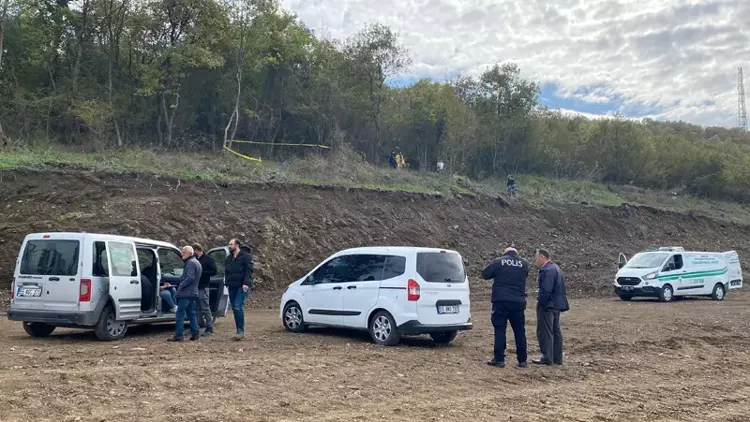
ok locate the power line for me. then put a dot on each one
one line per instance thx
(741, 112)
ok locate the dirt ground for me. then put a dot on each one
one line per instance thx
(638, 361)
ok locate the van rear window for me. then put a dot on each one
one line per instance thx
(436, 267)
(50, 257)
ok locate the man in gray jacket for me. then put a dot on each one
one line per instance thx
(187, 297)
(551, 301)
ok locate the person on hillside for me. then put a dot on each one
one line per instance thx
(392, 160)
(511, 185)
(552, 300)
(204, 293)
(238, 277)
(187, 297)
(440, 166)
(509, 272)
(399, 160)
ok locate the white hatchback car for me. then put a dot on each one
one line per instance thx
(389, 291)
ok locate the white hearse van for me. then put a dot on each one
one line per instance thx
(669, 272)
(83, 280)
(388, 291)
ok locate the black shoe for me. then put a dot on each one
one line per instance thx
(522, 364)
(558, 363)
(195, 337)
(207, 333)
(176, 339)
(496, 363)
(541, 362)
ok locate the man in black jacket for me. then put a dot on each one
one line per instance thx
(204, 292)
(510, 272)
(238, 277)
(551, 301)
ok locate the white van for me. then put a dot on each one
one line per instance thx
(388, 291)
(671, 271)
(82, 280)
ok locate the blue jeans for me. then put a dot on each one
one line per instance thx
(186, 305)
(237, 300)
(168, 298)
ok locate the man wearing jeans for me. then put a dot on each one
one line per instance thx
(187, 297)
(238, 277)
(551, 301)
(204, 293)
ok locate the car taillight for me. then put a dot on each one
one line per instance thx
(85, 293)
(413, 291)
(13, 290)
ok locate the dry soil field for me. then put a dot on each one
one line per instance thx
(639, 361)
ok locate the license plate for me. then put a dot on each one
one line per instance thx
(29, 292)
(447, 309)
(626, 287)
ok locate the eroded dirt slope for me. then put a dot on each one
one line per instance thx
(293, 228)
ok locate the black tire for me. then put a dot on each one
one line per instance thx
(626, 298)
(667, 293)
(38, 329)
(293, 319)
(719, 292)
(383, 329)
(109, 329)
(444, 337)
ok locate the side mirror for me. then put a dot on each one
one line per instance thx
(622, 260)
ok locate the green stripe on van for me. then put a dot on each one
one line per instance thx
(695, 274)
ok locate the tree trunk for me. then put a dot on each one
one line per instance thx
(81, 37)
(169, 117)
(3, 16)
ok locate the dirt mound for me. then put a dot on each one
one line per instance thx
(291, 228)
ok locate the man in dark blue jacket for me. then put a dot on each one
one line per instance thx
(551, 301)
(238, 277)
(510, 272)
(187, 296)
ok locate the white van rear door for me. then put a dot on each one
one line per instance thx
(734, 273)
(124, 280)
(443, 289)
(49, 275)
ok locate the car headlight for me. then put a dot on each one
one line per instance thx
(651, 276)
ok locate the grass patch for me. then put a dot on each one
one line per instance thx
(348, 169)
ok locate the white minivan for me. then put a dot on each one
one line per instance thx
(84, 280)
(388, 291)
(670, 272)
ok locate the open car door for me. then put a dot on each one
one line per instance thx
(219, 294)
(622, 260)
(124, 280)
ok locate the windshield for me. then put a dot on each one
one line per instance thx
(647, 260)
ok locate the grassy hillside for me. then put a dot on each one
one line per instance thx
(349, 170)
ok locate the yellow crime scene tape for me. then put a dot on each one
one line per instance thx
(242, 155)
(283, 144)
(247, 157)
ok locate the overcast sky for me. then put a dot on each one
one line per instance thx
(666, 59)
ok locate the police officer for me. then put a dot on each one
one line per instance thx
(508, 303)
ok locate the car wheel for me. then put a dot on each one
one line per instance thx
(38, 329)
(626, 298)
(666, 294)
(444, 337)
(108, 328)
(719, 292)
(383, 329)
(293, 319)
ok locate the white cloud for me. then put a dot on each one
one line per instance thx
(677, 56)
